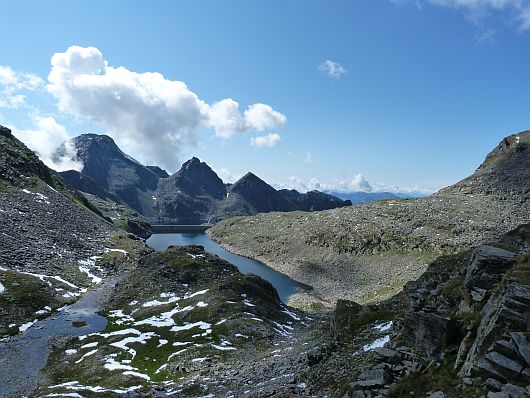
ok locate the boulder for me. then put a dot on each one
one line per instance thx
(486, 266)
(493, 384)
(387, 355)
(379, 377)
(428, 332)
(507, 367)
(509, 391)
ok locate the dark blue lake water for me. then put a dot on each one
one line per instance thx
(283, 284)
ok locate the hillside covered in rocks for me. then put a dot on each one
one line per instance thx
(368, 252)
(47, 236)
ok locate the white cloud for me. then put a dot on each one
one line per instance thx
(227, 175)
(477, 10)
(12, 83)
(332, 69)
(357, 184)
(308, 157)
(152, 117)
(262, 117)
(268, 140)
(224, 117)
(46, 135)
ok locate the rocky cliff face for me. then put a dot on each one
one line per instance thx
(462, 328)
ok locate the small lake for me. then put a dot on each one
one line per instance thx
(283, 284)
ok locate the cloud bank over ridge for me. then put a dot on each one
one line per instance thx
(152, 117)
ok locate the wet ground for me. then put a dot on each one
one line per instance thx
(22, 357)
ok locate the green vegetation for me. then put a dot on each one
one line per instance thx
(520, 272)
(23, 297)
(442, 378)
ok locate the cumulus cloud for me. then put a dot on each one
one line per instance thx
(359, 183)
(226, 119)
(13, 83)
(477, 10)
(45, 136)
(356, 184)
(227, 175)
(268, 140)
(332, 69)
(151, 116)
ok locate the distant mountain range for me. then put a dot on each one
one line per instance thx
(359, 197)
(194, 194)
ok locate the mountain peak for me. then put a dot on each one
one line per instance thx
(195, 177)
(505, 171)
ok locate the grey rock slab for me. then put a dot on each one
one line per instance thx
(486, 266)
(505, 365)
(522, 346)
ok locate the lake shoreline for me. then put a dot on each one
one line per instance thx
(303, 300)
(289, 289)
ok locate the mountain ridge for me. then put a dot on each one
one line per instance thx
(194, 194)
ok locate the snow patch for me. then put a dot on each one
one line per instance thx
(38, 196)
(136, 374)
(202, 325)
(383, 327)
(124, 252)
(86, 355)
(44, 311)
(85, 267)
(377, 343)
(26, 326)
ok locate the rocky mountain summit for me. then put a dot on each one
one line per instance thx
(370, 251)
(114, 171)
(190, 195)
(193, 195)
(505, 173)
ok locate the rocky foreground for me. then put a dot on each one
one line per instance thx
(369, 252)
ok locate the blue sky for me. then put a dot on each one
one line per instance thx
(427, 89)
